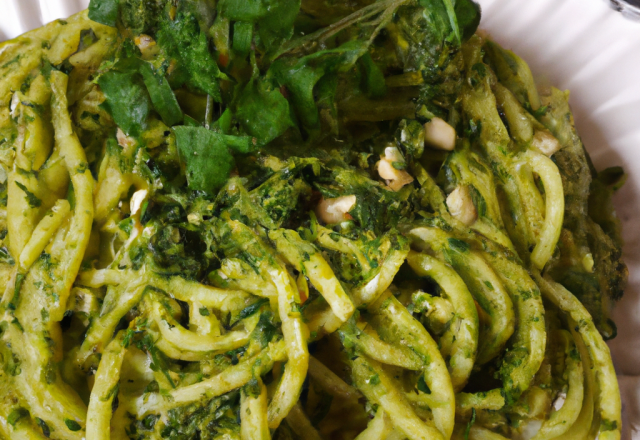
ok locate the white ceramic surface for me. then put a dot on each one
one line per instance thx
(580, 45)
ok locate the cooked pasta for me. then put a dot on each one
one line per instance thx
(297, 220)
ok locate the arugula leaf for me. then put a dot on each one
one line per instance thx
(104, 11)
(429, 30)
(300, 81)
(190, 122)
(220, 35)
(141, 16)
(444, 10)
(325, 93)
(240, 144)
(373, 82)
(301, 76)
(242, 36)
(277, 26)
(265, 126)
(453, 19)
(223, 124)
(183, 40)
(468, 15)
(136, 16)
(206, 156)
(275, 18)
(162, 97)
(243, 10)
(127, 100)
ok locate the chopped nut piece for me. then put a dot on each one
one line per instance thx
(15, 100)
(194, 219)
(147, 46)
(461, 205)
(392, 154)
(545, 142)
(336, 210)
(136, 200)
(144, 41)
(123, 140)
(388, 169)
(439, 134)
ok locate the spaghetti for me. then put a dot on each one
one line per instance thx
(281, 219)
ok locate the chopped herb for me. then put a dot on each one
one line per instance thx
(206, 156)
(46, 431)
(127, 100)
(458, 245)
(16, 415)
(422, 385)
(159, 361)
(31, 198)
(72, 425)
(104, 11)
(184, 41)
(470, 424)
(264, 126)
(163, 99)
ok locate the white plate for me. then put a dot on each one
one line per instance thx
(580, 45)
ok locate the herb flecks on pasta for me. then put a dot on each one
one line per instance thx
(297, 220)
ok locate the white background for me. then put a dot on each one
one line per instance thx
(580, 45)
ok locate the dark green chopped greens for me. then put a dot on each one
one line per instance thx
(240, 57)
(127, 100)
(373, 83)
(46, 431)
(162, 97)
(105, 12)
(214, 419)
(300, 76)
(16, 415)
(185, 42)
(210, 127)
(31, 198)
(72, 425)
(468, 17)
(207, 157)
(264, 126)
